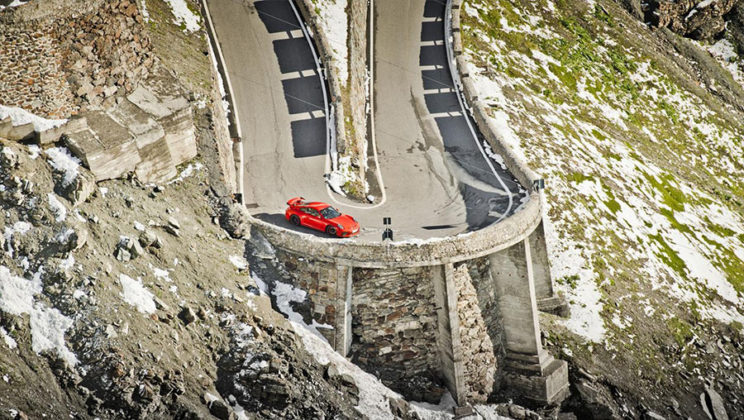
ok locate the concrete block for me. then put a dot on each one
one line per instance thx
(549, 387)
(20, 132)
(53, 135)
(107, 148)
(156, 165)
(145, 129)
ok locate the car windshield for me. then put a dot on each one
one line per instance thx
(330, 213)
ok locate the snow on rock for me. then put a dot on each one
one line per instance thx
(135, 294)
(33, 151)
(184, 16)
(334, 23)
(189, 171)
(159, 273)
(143, 10)
(20, 116)
(63, 161)
(59, 209)
(9, 341)
(285, 294)
(239, 262)
(18, 228)
(725, 52)
(48, 325)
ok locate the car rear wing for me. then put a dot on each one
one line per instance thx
(297, 201)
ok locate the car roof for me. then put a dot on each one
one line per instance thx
(317, 205)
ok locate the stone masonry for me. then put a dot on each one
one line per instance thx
(394, 330)
(68, 55)
(32, 76)
(478, 352)
(471, 326)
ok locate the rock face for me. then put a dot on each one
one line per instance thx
(691, 18)
(257, 372)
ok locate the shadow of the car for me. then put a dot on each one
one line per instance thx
(279, 220)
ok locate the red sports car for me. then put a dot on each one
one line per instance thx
(320, 216)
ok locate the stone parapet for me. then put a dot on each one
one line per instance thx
(409, 253)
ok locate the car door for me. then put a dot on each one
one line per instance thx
(312, 218)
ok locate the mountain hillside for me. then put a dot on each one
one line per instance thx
(637, 131)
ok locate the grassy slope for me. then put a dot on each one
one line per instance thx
(644, 172)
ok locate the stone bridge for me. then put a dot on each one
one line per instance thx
(461, 311)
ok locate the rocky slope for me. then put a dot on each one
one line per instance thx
(637, 131)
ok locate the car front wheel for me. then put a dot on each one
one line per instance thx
(331, 230)
(295, 220)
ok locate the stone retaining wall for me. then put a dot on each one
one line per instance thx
(32, 76)
(68, 55)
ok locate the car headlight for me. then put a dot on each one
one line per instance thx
(340, 226)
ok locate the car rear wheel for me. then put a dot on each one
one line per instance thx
(331, 230)
(295, 220)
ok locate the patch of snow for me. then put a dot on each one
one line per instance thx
(143, 10)
(135, 294)
(59, 209)
(20, 116)
(63, 161)
(33, 151)
(584, 300)
(725, 53)
(334, 24)
(18, 228)
(64, 235)
(183, 16)
(9, 341)
(139, 226)
(239, 262)
(189, 171)
(285, 294)
(67, 263)
(48, 325)
(161, 274)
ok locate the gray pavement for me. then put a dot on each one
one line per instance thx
(437, 180)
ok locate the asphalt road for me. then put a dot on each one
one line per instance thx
(437, 180)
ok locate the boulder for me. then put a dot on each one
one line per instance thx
(715, 404)
(235, 219)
